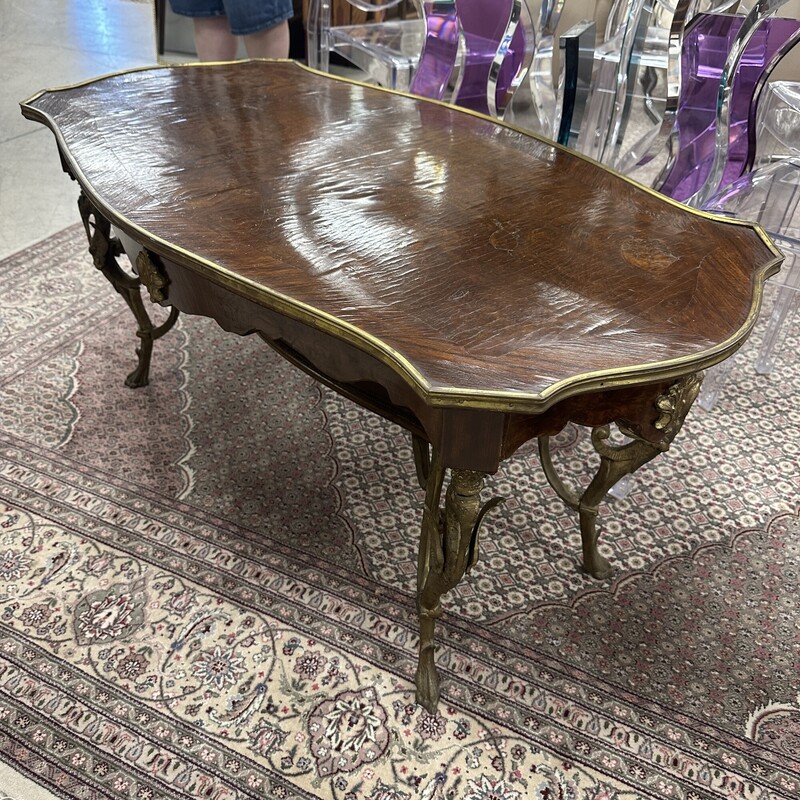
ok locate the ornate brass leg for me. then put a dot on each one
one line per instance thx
(448, 550)
(104, 250)
(616, 462)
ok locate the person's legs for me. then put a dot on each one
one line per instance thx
(270, 43)
(212, 34)
(214, 40)
(263, 24)
(218, 23)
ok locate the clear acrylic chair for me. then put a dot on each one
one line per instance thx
(662, 74)
(636, 80)
(471, 52)
(610, 80)
(770, 196)
(576, 46)
(386, 51)
(778, 122)
(545, 107)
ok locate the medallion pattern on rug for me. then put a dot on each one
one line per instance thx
(207, 586)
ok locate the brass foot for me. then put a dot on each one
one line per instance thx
(448, 550)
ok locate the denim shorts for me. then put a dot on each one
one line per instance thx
(244, 16)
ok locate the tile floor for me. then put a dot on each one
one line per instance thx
(45, 43)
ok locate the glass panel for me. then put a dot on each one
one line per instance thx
(577, 58)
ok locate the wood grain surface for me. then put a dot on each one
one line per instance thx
(489, 261)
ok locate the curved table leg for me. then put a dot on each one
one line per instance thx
(616, 461)
(104, 250)
(422, 459)
(448, 550)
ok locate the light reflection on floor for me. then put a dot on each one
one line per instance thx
(45, 43)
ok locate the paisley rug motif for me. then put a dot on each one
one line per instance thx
(206, 586)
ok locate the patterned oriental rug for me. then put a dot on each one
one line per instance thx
(208, 586)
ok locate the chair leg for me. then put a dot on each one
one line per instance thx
(782, 313)
(715, 379)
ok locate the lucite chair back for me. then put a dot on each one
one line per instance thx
(636, 69)
(663, 67)
(706, 49)
(610, 80)
(778, 122)
(576, 46)
(544, 93)
(476, 52)
(761, 41)
(724, 63)
(385, 50)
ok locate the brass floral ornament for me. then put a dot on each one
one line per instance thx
(105, 249)
(151, 276)
(678, 397)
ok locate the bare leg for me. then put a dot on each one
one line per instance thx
(270, 43)
(214, 40)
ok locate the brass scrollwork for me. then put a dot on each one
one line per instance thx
(448, 550)
(105, 249)
(675, 402)
(151, 276)
(617, 461)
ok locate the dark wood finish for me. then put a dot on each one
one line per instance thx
(490, 261)
(472, 283)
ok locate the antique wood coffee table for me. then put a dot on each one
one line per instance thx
(473, 284)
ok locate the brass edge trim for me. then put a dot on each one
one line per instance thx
(501, 401)
(148, 67)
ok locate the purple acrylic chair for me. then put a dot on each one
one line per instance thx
(715, 129)
(476, 52)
